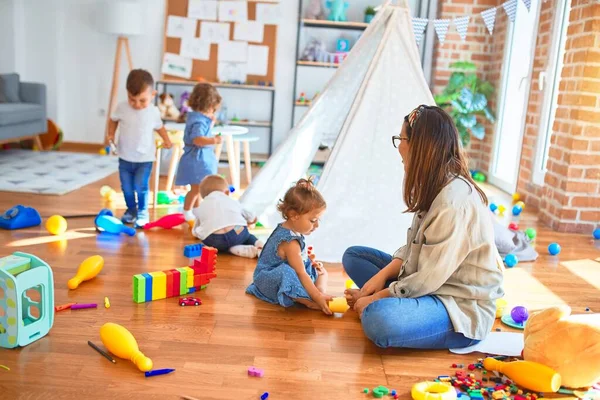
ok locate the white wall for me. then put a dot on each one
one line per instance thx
(7, 36)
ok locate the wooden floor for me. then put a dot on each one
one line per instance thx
(305, 354)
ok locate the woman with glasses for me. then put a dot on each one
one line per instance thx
(439, 290)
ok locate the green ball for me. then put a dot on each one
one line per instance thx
(479, 177)
(531, 233)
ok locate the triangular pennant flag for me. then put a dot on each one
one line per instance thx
(462, 24)
(527, 4)
(511, 9)
(419, 25)
(489, 17)
(441, 28)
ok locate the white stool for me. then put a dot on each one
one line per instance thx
(246, 141)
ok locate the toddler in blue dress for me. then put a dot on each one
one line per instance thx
(285, 274)
(198, 159)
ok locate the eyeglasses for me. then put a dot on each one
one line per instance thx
(396, 140)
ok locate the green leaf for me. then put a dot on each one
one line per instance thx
(485, 88)
(458, 107)
(489, 115)
(465, 137)
(456, 82)
(479, 102)
(466, 98)
(468, 121)
(471, 80)
(463, 65)
(478, 131)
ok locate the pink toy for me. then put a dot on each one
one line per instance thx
(253, 371)
(166, 222)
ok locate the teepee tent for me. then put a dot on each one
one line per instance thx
(362, 106)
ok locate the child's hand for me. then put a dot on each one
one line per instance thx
(167, 145)
(218, 139)
(323, 301)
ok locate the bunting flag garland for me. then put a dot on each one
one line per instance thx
(462, 24)
(527, 4)
(489, 17)
(510, 7)
(419, 25)
(441, 28)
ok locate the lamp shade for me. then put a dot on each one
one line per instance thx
(122, 17)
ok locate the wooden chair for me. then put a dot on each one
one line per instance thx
(245, 140)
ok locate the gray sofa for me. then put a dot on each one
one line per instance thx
(22, 109)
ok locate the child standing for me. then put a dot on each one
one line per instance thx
(198, 159)
(221, 222)
(137, 119)
(285, 274)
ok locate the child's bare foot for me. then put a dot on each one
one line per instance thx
(308, 303)
(352, 295)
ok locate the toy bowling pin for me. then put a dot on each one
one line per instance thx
(120, 342)
(87, 270)
(110, 224)
(530, 375)
(166, 222)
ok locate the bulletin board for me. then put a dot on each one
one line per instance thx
(208, 69)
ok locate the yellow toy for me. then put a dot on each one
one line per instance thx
(107, 193)
(106, 303)
(530, 375)
(501, 210)
(569, 344)
(120, 342)
(500, 307)
(56, 225)
(432, 391)
(339, 305)
(520, 204)
(87, 270)
(350, 284)
(516, 197)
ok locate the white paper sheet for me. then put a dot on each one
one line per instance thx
(250, 31)
(233, 11)
(227, 72)
(180, 27)
(198, 49)
(203, 9)
(214, 32)
(258, 60)
(268, 14)
(497, 343)
(176, 65)
(233, 52)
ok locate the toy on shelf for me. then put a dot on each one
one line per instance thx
(432, 390)
(530, 375)
(342, 50)
(56, 225)
(314, 10)
(566, 343)
(302, 99)
(110, 224)
(108, 193)
(339, 305)
(314, 51)
(184, 107)
(166, 106)
(178, 281)
(23, 320)
(19, 217)
(337, 10)
(166, 222)
(554, 249)
(88, 269)
(369, 14)
(120, 342)
(189, 301)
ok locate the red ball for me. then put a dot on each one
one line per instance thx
(513, 226)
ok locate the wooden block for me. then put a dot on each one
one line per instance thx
(182, 281)
(139, 288)
(148, 296)
(169, 286)
(159, 285)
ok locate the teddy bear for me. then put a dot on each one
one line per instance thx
(569, 344)
(167, 108)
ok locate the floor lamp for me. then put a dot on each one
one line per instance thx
(123, 19)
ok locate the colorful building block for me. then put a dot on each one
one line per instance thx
(169, 285)
(148, 277)
(190, 277)
(139, 288)
(253, 371)
(159, 285)
(183, 281)
(193, 250)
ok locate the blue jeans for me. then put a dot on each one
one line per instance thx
(235, 237)
(420, 323)
(135, 178)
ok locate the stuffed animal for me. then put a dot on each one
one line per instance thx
(337, 10)
(569, 344)
(167, 107)
(314, 10)
(183, 102)
(314, 51)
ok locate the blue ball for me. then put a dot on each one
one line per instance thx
(554, 249)
(597, 234)
(493, 207)
(511, 260)
(517, 210)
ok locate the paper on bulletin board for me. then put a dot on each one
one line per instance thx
(198, 49)
(233, 52)
(233, 11)
(180, 27)
(258, 60)
(203, 9)
(228, 72)
(214, 32)
(249, 31)
(268, 14)
(176, 65)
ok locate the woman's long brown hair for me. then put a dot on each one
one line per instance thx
(436, 157)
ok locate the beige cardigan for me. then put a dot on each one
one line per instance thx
(451, 254)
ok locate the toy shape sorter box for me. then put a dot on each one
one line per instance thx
(26, 299)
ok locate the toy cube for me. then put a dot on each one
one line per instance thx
(26, 299)
(192, 250)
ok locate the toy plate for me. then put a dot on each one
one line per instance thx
(507, 320)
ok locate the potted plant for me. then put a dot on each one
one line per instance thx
(369, 14)
(465, 97)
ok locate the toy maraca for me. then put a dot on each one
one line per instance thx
(120, 342)
(530, 375)
(166, 222)
(110, 224)
(87, 270)
(339, 305)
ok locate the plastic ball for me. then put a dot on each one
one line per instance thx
(531, 233)
(511, 260)
(516, 210)
(501, 209)
(597, 233)
(519, 314)
(493, 207)
(513, 226)
(56, 225)
(520, 204)
(479, 177)
(554, 249)
(516, 197)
